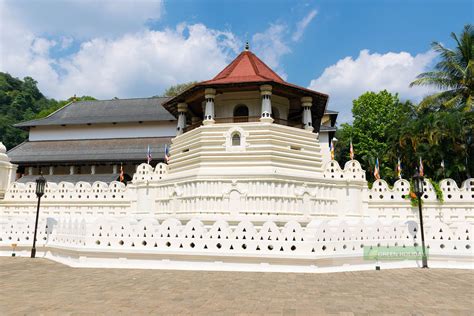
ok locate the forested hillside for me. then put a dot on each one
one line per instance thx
(21, 100)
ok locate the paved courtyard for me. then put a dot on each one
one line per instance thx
(44, 287)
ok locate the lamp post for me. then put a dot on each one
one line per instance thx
(418, 187)
(40, 184)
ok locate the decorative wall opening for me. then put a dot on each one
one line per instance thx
(241, 113)
(236, 139)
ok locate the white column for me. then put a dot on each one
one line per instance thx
(93, 169)
(210, 95)
(114, 169)
(30, 171)
(182, 108)
(307, 103)
(51, 170)
(266, 93)
(71, 170)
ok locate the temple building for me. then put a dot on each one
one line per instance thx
(91, 140)
(249, 185)
(247, 90)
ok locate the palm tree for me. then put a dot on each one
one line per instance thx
(454, 74)
(437, 136)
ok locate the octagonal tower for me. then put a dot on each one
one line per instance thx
(246, 121)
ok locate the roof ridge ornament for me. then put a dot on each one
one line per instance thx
(247, 46)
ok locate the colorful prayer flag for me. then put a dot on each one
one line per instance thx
(421, 170)
(377, 169)
(399, 169)
(122, 177)
(148, 155)
(351, 151)
(167, 153)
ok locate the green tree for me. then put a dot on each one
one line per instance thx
(21, 100)
(377, 119)
(178, 88)
(438, 136)
(454, 74)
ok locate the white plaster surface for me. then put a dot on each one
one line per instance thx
(103, 131)
(262, 207)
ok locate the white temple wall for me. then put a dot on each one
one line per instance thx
(265, 221)
(264, 149)
(103, 131)
(81, 199)
(325, 146)
(79, 242)
(340, 194)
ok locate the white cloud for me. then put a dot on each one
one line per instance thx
(41, 46)
(85, 18)
(21, 52)
(349, 78)
(145, 63)
(136, 64)
(270, 45)
(302, 25)
(104, 48)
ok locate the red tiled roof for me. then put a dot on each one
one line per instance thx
(245, 68)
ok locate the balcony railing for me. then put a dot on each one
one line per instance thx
(244, 119)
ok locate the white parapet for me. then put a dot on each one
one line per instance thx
(245, 246)
(339, 193)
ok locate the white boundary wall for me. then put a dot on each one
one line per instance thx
(250, 225)
(332, 245)
(339, 194)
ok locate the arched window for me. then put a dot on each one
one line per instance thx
(236, 139)
(241, 113)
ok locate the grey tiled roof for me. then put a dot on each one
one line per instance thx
(91, 178)
(122, 149)
(106, 111)
(325, 128)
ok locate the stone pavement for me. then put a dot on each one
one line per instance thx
(41, 286)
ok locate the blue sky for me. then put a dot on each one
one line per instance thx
(128, 48)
